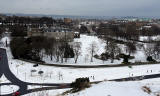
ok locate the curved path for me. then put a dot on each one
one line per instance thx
(90, 66)
(8, 74)
(23, 89)
(137, 78)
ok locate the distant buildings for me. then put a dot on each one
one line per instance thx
(2, 17)
(126, 20)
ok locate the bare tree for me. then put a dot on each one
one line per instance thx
(61, 51)
(50, 47)
(93, 49)
(37, 45)
(57, 54)
(77, 50)
(131, 48)
(149, 49)
(112, 49)
(157, 50)
(86, 58)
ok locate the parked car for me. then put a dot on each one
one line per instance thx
(16, 94)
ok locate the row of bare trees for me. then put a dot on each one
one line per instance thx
(56, 49)
(127, 31)
(61, 50)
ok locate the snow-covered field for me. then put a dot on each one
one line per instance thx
(121, 89)
(67, 75)
(24, 71)
(85, 57)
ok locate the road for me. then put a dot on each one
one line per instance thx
(90, 66)
(137, 78)
(23, 89)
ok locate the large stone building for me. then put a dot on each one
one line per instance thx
(57, 33)
(35, 32)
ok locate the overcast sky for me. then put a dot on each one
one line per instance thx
(83, 7)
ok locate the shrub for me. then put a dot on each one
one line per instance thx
(130, 66)
(131, 57)
(96, 56)
(105, 56)
(40, 72)
(150, 59)
(80, 84)
(125, 58)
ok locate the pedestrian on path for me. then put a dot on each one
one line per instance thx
(93, 78)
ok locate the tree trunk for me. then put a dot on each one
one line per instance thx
(112, 60)
(66, 59)
(61, 59)
(91, 58)
(51, 57)
(57, 58)
(76, 59)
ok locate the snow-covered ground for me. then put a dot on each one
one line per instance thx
(146, 38)
(56, 92)
(8, 89)
(121, 89)
(85, 57)
(4, 79)
(67, 75)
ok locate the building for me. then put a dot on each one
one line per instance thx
(57, 33)
(35, 32)
(67, 20)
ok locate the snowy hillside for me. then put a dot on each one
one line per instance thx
(120, 89)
